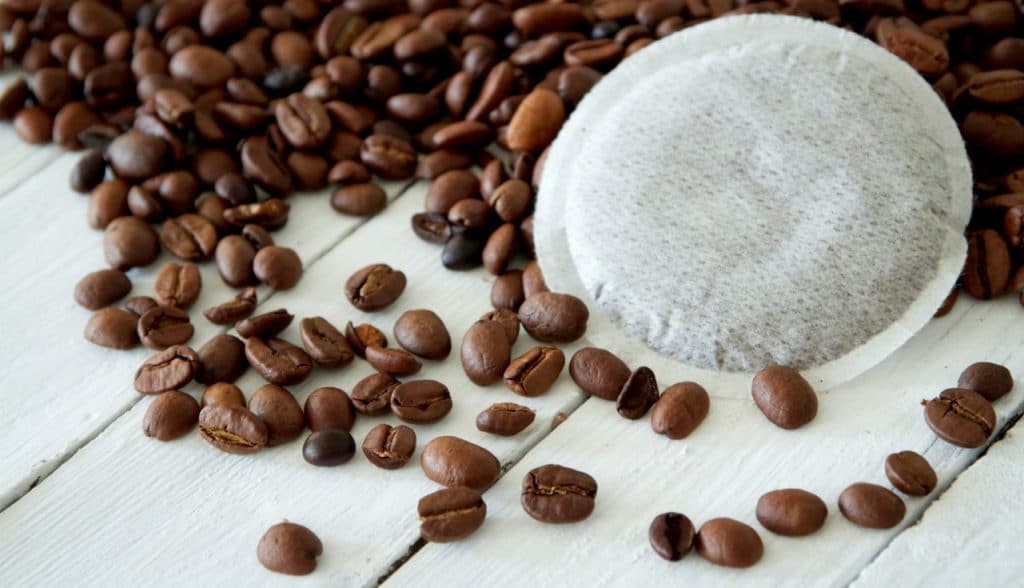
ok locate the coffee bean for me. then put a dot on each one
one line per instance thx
(70, 121)
(202, 66)
(784, 396)
(171, 415)
(671, 535)
(548, 316)
(303, 121)
(680, 410)
(374, 287)
(278, 267)
(164, 326)
(372, 395)
(178, 285)
(871, 506)
(508, 321)
(234, 310)
(536, 121)
(791, 512)
(961, 417)
(987, 269)
(114, 328)
(397, 362)
(505, 419)
(257, 236)
(910, 473)
(222, 393)
(999, 87)
(464, 250)
(328, 448)
(102, 288)
(486, 352)
(190, 237)
(169, 369)
(107, 202)
(222, 359)
(451, 514)
(364, 199)
(234, 256)
(264, 325)
(557, 494)
(263, 165)
(329, 408)
(88, 171)
(450, 188)
(362, 336)
(278, 361)
(423, 332)
(441, 161)
(33, 125)
(136, 156)
(271, 214)
(337, 31)
(129, 242)
(389, 447)
(991, 380)
(349, 172)
(232, 429)
(638, 394)
(139, 304)
(534, 372)
(533, 280)
(389, 157)
(923, 52)
(421, 401)
(507, 291)
(451, 461)
(13, 98)
(279, 411)
(730, 543)
(324, 343)
(288, 548)
(471, 213)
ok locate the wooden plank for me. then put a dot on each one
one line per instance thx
(971, 537)
(59, 390)
(182, 513)
(722, 469)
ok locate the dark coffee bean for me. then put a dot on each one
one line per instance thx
(432, 227)
(422, 332)
(730, 543)
(263, 165)
(114, 328)
(129, 242)
(70, 121)
(93, 20)
(223, 393)
(221, 18)
(33, 125)
(420, 401)
(389, 157)
(508, 321)
(450, 514)
(222, 359)
(451, 461)
(372, 395)
(680, 409)
(638, 394)
(574, 83)
(871, 506)
(287, 548)
(486, 352)
(164, 326)
(784, 396)
(548, 316)
(961, 417)
(234, 256)
(337, 31)
(557, 494)
(235, 188)
(534, 372)
(374, 287)
(463, 251)
(324, 343)
(987, 269)
(102, 288)
(362, 336)
(264, 325)
(389, 447)
(278, 361)
(135, 156)
(177, 285)
(139, 304)
(397, 362)
(671, 535)
(170, 369)
(234, 310)
(279, 411)
(142, 203)
(88, 171)
(413, 108)
(106, 203)
(910, 473)
(991, 380)
(791, 512)
(170, 416)
(505, 419)
(365, 199)
(278, 267)
(328, 448)
(232, 429)
(329, 408)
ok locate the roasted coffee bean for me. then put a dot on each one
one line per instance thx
(991, 380)
(324, 343)
(423, 332)
(114, 328)
(328, 447)
(534, 372)
(536, 121)
(389, 447)
(222, 393)
(136, 156)
(263, 165)
(791, 512)
(451, 461)
(464, 251)
(421, 401)
(999, 87)
(784, 396)
(222, 359)
(107, 202)
(374, 287)
(129, 242)
(270, 214)
(337, 31)
(234, 256)
(303, 121)
(33, 125)
(102, 288)
(450, 514)
(471, 213)
(362, 336)
(389, 157)
(278, 361)
(671, 535)
(638, 394)
(440, 162)
(910, 473)
(548, 316)
(508, 321)
(170, 369)
(257, 236)
(171, 415)
(961, 417)
(397, 362)
(486, 352)
(511, 200)
(450, 188)
(190, 237)
(329, 408)
(88, 171)
(500, 248)
(871, 506)
(264, 325)
(139, 304)
(364, 199)
(69, 123)
(557, 494)
(278, 267)
(730, 543)
(348, 172)
(234, 310)
(164, 326)
(505, 419)
(178, 285)
(432, 227)
(680, 410)
(288, 548)
(13, 98)
(279, 411)
(533, 280)
(987, 269)
(232, 428)
(372, 395)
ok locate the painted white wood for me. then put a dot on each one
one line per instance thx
(183, 513)
(19, 160)
(58, 390)
(971, 537)
(722, 469)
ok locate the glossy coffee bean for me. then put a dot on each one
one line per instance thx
(505, 419)
(164, 326)
(507, 291)
(222, 393)
(278, 361)
(288, 548)
(169, 369)
(328, 448)
(221, 359)
(177, 285)
(451, 461)
(278, 267)
(784, 397)
(598, 372)
(987, 269)
(961, 417)
(129, 242)
(389, 157)
(507, 319)
(234, 256)
(486, 352)
(279, 411)
(730, 543)
(638, 394)
(389, 447)
(190, 237)
(552, 317)
(363, 199)
(536, 121)
(791, 512)
(991, 380)
(372, 395)
(137, 156)
(325, 343)
(671, 535)
(534, 372)
(364, 335)
(680, 410)
(232, 429)
(397, 362)
(102, 288)
(170, 416)
(329, 408)
(374, 287)
(264, 325)
(423, 333)
(88, 172)
(450, 514)
(910, 473)
(421, 401)
(234, 310)
(871, 506)
(557, 494)
(114, 328)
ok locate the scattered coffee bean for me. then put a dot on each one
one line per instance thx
(910, 473)
(169, 369)
(222, 393)
(871, 506)
(222, 359)
(278, 267)
(372, 395)
(508, 321)
(507, 291)
(88, 171)
(324, 343)
(279, 411)
(328, 447)
(102, 288)
(451, 461)
(451, 514)
(557, 494)
(234, 256)
(598, 372)
(987, 269)
(638, 394)
(505, 419)
(791, 512)
(534, 372)
(364, 199)
(397, 362)
(671, 535)
(278, 361)
(267, 324)
(486, 352)
(164, 326)
(548, 316)
(178, 285)
(232, 428)
(329, 408)
(537, 119)
(464, 250)
(991, 380)
(234, 310)
(784, 396)
(362, 336)
(170, 416)
(730, 543)
(423, 332)
(421, 401)
(190, 237)
(533, 280)
(374, 287)
(680, 410)
(287, 548)
(389, 447)
(130, 242)
(139, 305)
(961, 417)
(114, 328)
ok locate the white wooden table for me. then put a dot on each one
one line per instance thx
(86, 499)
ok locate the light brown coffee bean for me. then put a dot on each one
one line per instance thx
(164, 326)
(423, 332)
(552, 317)
(362, 336)
(234, 310)
(177, 285)
(264, 325)
(536, 121)
(450, 514)
(232, 429)
(389, 447)
(508, 321)
(114, 328)
(222, 393)
(222, 359)
(170, 416)
(102, 288)
(486, 352)
(324, 343)
(169, 369)
(329, 408)
(288, 548)
(791, 512)
(397, 362)
(534, 372)
(374, 287)
(280, 412)
(505, 419)
(451, 461)
(278, 361)
(871, 506)
(680, 410)
(421, 401)
(784, 396)
(730, 543)
(910, 473)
